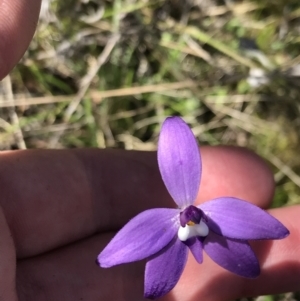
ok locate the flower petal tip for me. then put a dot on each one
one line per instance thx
(278, 229)
(151, 296)
(97, 262)
(253, 273)
(157, 292)
(100, 263)
(284, 233)
(104, 261)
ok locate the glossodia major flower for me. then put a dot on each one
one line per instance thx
(221, 227)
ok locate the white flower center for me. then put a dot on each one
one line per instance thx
(184, 233)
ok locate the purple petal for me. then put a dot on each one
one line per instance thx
(179, 161)
(239, 219)
(232, 255)
(141, 237)
(195, 246)
(164, 269)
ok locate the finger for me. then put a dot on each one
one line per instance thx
(280, 260)
(18, 20)
(238, 172)
(280, 269)
(71, 273)
(51, 198)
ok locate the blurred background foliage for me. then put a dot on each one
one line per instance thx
(107, 73)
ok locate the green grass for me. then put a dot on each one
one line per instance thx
(193, 48)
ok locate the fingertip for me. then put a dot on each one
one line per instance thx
(237, 172)
(279, 259)
(289, 217)
(18, 20)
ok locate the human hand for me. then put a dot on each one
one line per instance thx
(18, 20)
(61, 207)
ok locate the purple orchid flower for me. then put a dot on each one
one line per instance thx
(220, 227)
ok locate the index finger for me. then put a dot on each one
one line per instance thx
(54, 197)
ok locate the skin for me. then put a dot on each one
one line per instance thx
(18, 20)
(59, 208)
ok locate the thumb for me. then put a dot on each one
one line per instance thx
(18, 21)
